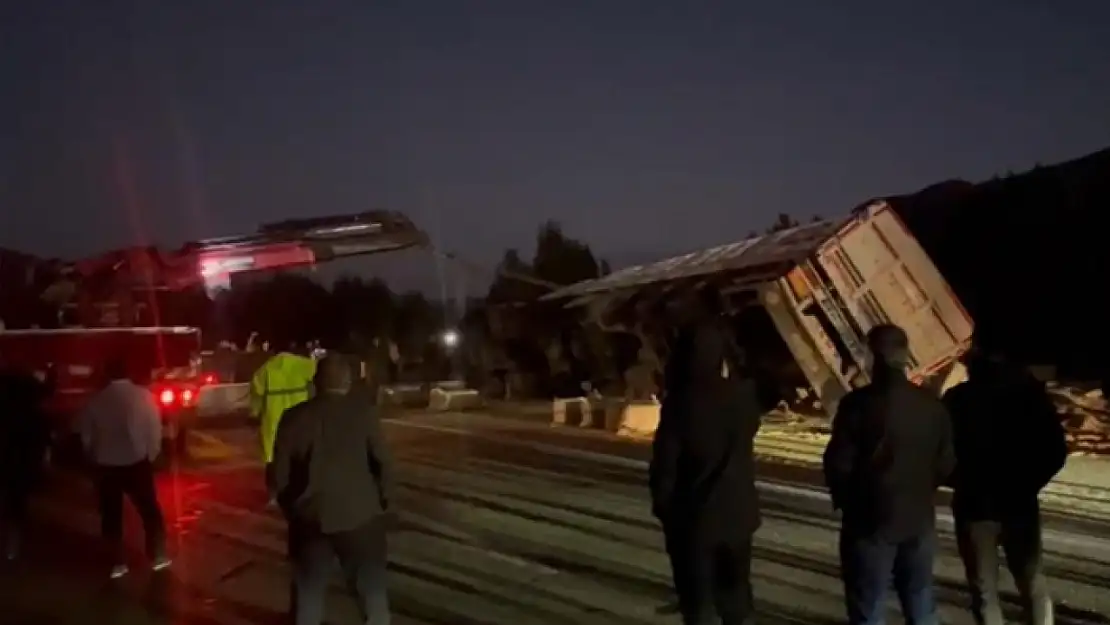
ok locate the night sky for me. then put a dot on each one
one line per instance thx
(646, 127)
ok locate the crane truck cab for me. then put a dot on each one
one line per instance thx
(73, 360)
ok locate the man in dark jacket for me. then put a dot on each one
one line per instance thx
(332, 477)
(891, 448)
(24, 438)
(702, 471)
(1009, 444)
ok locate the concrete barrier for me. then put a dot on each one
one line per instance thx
(442, 400)
(639, 419)
(223, 399)
(404, 395)
(588, 412)
(572, 411)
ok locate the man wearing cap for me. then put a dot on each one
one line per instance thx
(891, 449)
(1009, 444)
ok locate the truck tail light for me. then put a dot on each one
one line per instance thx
(176, 398)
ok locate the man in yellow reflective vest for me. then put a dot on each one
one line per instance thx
(284, 381)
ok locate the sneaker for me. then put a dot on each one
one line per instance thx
(160, 563)
(119, 571)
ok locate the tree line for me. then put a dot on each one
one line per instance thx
(507, 336)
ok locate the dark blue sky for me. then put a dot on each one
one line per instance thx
(646, 127)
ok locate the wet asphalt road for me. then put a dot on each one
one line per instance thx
(498, 522)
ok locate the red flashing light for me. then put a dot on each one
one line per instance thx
(209, 378)
(187, 396)
(167, 397)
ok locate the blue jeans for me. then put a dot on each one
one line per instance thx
(869, 564)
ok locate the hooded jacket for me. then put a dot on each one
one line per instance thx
(702, 472)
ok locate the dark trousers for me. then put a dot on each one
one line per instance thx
(362, 557)
(869, 564)
(1020, 540)
(136, 481)
(15, 492)
(712, 578)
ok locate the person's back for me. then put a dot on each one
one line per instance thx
(332, 478)
(1009, 444)
(24, 437)
(711, 416)
(121, 433)
(121, 425)
(899, 433)
(702, 473)
(890, 451)
(1009, 441)
(284, 381)
(330, 483)
(24, 428)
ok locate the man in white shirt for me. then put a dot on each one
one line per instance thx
(121, 433)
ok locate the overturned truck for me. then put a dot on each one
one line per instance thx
(802, 299)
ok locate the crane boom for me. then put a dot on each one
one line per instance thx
(105, 290)
(117, 280)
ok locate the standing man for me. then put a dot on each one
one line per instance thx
(702, 473)
(121, 434)
(332, 477)
(24, 438)
(1009, 444)
(891, 448)
(283, 381)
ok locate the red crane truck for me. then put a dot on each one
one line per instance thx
(104, 308)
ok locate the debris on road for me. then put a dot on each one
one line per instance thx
(1086, 418)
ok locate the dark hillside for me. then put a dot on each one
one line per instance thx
(1028, 254)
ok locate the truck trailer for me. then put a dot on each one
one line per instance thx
(802, 299)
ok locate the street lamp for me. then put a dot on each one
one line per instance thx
(450, 339)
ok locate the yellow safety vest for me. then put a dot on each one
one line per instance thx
(284, 381)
